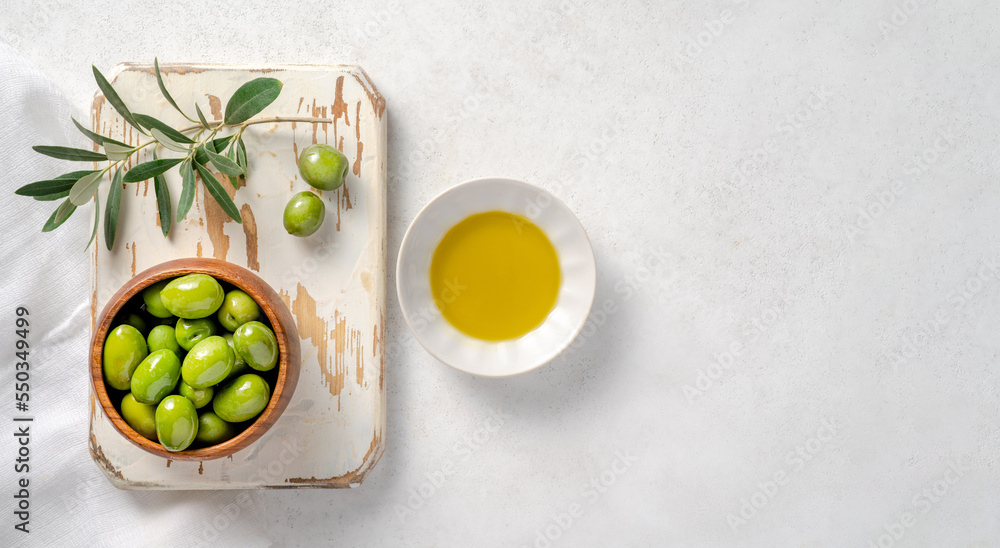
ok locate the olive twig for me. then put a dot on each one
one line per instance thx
(200, 152)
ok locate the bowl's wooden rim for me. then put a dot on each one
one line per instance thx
(270, 303)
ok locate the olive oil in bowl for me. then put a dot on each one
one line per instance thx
(495, 276)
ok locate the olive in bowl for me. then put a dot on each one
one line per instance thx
(159, 392)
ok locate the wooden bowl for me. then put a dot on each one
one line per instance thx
(271, 305)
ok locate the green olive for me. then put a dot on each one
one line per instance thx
(189, 332)
(242, 399)
(156, 376)
(257, 344)
(304, 214)
(237, 309)
(200, 397)
(162, 337)
(239, 364)
(213, 430)
(136, 321)
(140, 416)
(208, 363)
(176, 423)
(154, 304)
(323, 166)
(124, 350)
(193, 296)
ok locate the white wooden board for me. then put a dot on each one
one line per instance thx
(332, 432)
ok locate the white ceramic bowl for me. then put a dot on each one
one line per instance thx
(490, 358)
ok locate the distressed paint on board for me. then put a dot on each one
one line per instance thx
(332, 433)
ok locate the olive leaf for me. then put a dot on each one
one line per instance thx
(97, 221)
(215, 145)
(59, 216)
(117, 152)
(149, 122)
(201, 116)
(68, 153)
(52, 197)
(215, 189)
(220, 144)
(225, 165)
(187, 190)
(116, 102)
(84, 189)
(251, 98)
(112, 209)
(241, 153)
(152, 168)
(162, 203)
(48, 187)
(95, 137)
(163, 88)
(168, 143)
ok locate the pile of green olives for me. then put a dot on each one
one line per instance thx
(191, 361)
(322, 167)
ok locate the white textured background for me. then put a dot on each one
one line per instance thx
(808, 198)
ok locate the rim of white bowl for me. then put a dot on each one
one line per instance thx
(557, 349)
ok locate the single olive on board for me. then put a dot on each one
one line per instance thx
(208, 362)
(237, 309)
(258, 345)
(304, 214)
(176, 423)
(192, 296)
(124, 350)
(189, 332)
(154, 304)
(200, 397)
(140, 416)
(163, 337)
(156, 376)
(212, 429)
(323, 166)
(243, 398)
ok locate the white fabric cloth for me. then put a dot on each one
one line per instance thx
(71, 502)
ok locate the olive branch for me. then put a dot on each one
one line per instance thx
(199, 145)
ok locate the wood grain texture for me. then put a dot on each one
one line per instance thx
(331, 433)
(271, 305)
